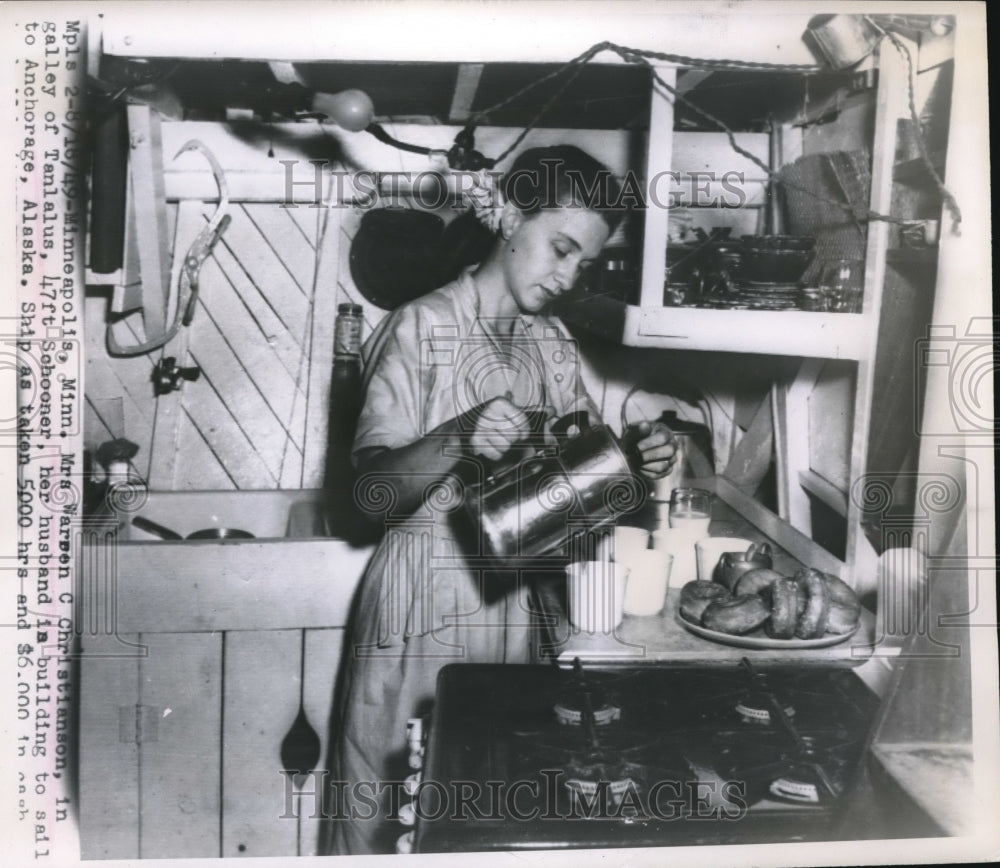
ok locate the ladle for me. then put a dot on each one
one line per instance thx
(300, 748)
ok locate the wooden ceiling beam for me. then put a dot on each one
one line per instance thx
(689, 79)
(466, 85)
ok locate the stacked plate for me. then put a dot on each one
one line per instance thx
(767, 296)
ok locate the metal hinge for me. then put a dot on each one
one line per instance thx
(138, 724)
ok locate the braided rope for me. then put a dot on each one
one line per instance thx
(949, 200)
(541, 113)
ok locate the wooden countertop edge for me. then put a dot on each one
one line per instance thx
(680, 647)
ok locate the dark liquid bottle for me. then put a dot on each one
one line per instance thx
(345, 406)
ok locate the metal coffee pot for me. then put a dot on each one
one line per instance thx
(535, 506)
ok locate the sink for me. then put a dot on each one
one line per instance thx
(296, 514)
(293, 574)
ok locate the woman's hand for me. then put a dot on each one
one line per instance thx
(656, 446)
(500, 425)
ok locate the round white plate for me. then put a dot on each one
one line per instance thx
(764, 641)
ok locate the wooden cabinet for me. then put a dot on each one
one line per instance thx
(195, 658)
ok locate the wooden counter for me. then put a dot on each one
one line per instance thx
(664, 639)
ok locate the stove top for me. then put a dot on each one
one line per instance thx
(539, 757)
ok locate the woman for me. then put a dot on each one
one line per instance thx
(450, 380)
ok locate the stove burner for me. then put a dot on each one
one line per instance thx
(795, 791)
(756, 712)
(568, 715)
(812, 770)
(585, 703)
(585, 781)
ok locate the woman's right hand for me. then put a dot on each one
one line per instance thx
(500, 424)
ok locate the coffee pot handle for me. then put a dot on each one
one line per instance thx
(580, 418)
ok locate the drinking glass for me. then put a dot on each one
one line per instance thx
(691, 509)
(840, 283)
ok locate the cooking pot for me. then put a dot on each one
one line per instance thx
(536, 505)
(775, 258)
(166, 533)
(393, 255)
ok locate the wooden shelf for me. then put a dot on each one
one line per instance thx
(782, 333)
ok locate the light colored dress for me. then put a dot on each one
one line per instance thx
(419, 606)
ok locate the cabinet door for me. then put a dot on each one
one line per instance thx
(262, 688)
(180, 749)
(180, 744)
(109, 755)
(265, 677)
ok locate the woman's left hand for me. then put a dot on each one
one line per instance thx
(656, 446)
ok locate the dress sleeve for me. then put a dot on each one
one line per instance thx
(391, 413)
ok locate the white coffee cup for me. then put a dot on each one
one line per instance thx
(648, 580)
(595, 591)
(628, 541)
(710, 549)
(678, 543)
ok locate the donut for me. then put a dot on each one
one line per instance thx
(841, 592)
(755, 581)
(812, 621)
(784, 595)
(841, 618)
(736, 615)
(696, 595)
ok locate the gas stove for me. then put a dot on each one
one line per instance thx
(537, 757)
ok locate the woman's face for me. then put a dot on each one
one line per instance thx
(545, 252)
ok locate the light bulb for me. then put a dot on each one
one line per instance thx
(351, 109)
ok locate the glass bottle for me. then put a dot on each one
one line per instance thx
(345, 406)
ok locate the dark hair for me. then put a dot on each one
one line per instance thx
(561, 175)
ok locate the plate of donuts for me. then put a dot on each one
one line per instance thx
(767, 610)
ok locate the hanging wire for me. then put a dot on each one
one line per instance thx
(644, 57)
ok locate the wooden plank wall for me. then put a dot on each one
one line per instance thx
(242, 424)
(242, 421)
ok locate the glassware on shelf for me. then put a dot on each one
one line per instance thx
(811, 299)
(841, 284)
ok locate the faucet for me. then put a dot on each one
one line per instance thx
(115, 457)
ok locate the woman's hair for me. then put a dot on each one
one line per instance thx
(560, 175)
(539, 178)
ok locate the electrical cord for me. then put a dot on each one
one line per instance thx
(643, 57)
